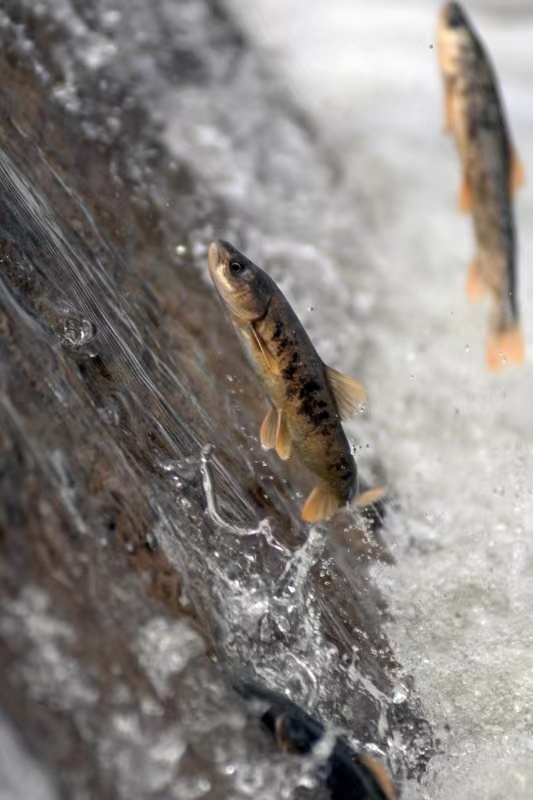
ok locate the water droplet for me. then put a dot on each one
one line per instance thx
(77, 333)
(400, 694)
(181, 249)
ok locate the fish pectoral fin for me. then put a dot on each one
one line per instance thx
(350, 395)
(465, 196)
(320, 505)
(475, 286)
(371, 496)
(517, 175)
(506, 347)
(448, 117)
(380, 774)
(283, 438)
(269, 429)
(265, 352)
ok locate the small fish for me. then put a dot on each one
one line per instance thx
(308, 399)
(492, 173)
(350, 775)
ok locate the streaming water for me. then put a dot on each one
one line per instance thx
(361, 231)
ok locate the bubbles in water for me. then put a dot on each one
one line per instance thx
(77, 333)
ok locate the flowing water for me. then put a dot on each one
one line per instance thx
(456, 441)
(360, 228)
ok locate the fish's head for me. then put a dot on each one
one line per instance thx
(454, 38)
(453, 17)
(245, 289)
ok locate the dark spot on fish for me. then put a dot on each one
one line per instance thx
(284, 343)
(313, 407)
(278, 330)
(290, 371)
(344, 467)
(309, 388)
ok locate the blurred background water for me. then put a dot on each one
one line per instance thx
(456, 440)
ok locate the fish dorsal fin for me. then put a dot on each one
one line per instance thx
(371, 496)
(283, 439)
(350, 395)
(517, 175)
(320, 505)
(380, 774)
(265, 352)
(269, 429)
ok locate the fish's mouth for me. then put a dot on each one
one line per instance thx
(213, 258)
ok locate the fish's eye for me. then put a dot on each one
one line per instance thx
(236, 268)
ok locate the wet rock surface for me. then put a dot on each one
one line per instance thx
(140, 571)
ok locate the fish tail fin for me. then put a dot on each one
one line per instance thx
(505, 347)
(320, 505)
(475, 288)
(371, 496)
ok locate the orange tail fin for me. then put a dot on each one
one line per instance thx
(505, 348)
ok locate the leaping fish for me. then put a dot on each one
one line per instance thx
(308, 399)
(491, 174)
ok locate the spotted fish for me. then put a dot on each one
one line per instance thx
(491, 174)
(308, 399)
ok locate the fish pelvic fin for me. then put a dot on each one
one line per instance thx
(465, 196)
(379, 773)
(447, 125)
(371, 496)
(269, 429)
(283, 438)
(475, 287)
(517, 174)
(321, 504)
(350, 395)
(505, 348)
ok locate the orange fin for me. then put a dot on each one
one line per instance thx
(269, 429)
(447, 126)
(320, 505)
(475, 288)
(380, 774)
(465, 196)
(505, 348)
(283, 439)
(517, 175)
(350, 395)
(371, 496)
